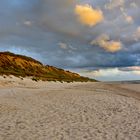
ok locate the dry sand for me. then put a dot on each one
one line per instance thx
(76, 111)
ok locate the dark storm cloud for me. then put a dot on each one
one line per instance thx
(38, 27)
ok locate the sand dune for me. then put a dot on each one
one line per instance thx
(75, 111)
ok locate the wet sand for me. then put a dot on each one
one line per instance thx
(75, 111)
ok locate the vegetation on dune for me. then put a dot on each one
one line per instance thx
(22, 66)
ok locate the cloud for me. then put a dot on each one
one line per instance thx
(105, 72)
(136, 34)
(88, 15)
(114, 4)
(133, 69)
(66, 46)
(63, 45)
(27, 23)
(109, 45)
(112, 46)
(129, 19)
(133, 5)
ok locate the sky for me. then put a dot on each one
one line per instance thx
(96, 38)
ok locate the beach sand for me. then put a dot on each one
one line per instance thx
(76, 111)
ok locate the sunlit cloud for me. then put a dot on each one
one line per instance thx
(109, 45)
(87, 15)
(129, 19)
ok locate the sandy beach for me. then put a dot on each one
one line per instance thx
(68, 111)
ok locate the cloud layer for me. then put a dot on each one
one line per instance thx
(111, 74)
(71, 34)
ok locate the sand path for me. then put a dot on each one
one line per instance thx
(88, 111)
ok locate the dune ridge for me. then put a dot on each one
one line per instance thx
(23, 66)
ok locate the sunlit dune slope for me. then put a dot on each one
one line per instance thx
(18, 65)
